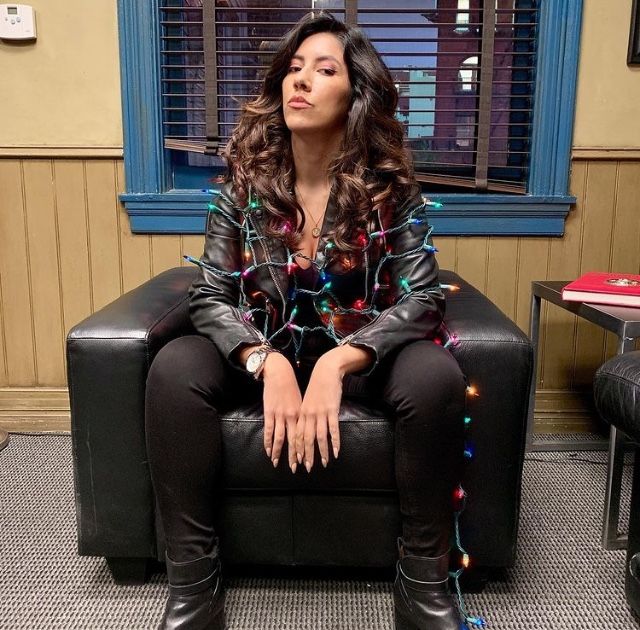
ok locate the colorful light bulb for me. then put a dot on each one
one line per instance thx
(459, 493)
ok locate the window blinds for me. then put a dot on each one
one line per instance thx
(464, 71)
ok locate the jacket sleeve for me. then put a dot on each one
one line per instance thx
(215, 291)
(417, 303)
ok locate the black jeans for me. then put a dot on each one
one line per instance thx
(190, 380)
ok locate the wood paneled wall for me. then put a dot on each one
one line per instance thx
(66, 251)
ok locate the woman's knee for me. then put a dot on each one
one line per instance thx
(186, 362)
(426, 376)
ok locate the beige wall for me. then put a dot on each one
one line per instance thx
(608, 98)
(64, 89)
(66, 248)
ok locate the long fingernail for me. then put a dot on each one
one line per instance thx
(299, 456)
(307, 465)
(269, 452)
(324, 462)
(293, 468)
(275, 462)
(335, 452)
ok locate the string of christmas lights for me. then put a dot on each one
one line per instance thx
(326, 303)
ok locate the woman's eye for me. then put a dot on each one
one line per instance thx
(293, 68)
(329, 70)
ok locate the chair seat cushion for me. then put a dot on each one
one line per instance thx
(617, 393)
(365, 461)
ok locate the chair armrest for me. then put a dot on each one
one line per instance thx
(108, 358)
(616, 391)
(497, 358)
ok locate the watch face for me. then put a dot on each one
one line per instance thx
(254, 361)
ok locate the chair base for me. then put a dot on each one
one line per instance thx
(129, 570)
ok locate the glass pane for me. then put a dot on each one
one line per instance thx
(433, 49)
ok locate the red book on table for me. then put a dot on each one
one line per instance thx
(618, 289)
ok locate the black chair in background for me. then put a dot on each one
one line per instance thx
(617, 396)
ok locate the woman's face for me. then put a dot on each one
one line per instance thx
(317, 73)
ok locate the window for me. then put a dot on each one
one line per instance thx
(462, 16)
(465, 128)
(469, 76)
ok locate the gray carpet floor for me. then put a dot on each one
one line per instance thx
(563, 579)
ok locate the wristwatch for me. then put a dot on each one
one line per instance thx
(255, 361)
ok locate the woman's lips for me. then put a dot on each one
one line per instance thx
(299, 105)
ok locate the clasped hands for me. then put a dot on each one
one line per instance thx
(302, 420)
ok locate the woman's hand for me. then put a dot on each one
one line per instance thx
(281, 400)
(319, 411)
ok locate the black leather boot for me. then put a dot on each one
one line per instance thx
(421, 594)
(196, 594)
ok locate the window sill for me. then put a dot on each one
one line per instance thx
(184, 212)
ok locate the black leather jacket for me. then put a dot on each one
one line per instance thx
(234, 309)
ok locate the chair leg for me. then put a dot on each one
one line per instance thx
(632, 572)
(474, 580)
(128, 570)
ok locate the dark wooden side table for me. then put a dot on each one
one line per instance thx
(625, 323)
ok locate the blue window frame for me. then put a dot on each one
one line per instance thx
(156, 205)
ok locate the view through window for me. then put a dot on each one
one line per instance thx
(465, 74)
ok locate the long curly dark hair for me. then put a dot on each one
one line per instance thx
(372, 171)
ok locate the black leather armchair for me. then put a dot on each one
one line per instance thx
(616, 391)
(345, 515)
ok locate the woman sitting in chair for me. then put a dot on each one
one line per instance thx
(318, 275)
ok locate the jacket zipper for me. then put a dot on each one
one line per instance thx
(267, 255)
